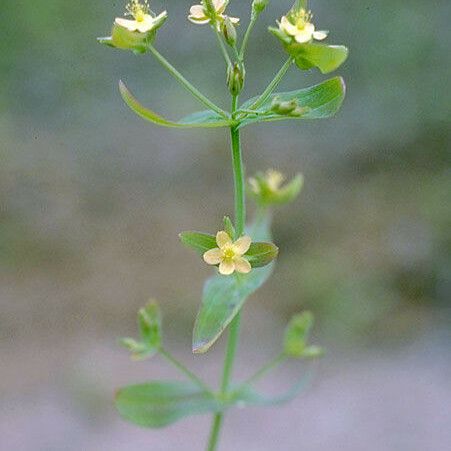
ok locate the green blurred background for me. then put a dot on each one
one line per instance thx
(92, 199)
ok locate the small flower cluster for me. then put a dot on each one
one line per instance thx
(202, 14)
(229, 255)
(144, 20)
(298, 25)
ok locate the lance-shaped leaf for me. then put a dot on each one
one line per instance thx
(158, 404)
(259, 254)
(200, 242)
(316, 102)
(201, 119)
(224, 296)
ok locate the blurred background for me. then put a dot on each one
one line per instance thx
(92, 199)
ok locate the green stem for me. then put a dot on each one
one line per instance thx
(247, 35)
(184, 82)
(170, 358)
(273, 85)
(222, 46)
(234, 329)
(265, 369)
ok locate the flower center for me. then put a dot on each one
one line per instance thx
(138, 10)
(229, 254)
(140, 16)
(302, 19)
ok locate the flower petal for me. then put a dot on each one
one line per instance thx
(220, 5)
(303, 37)
(234, 20)
(288, 27)
(320, 35)
(242, 245)
(198, 21)
(131, 25)
(213, 256)
(226, 268)
(242, 265)
(223, 239)
(197, 12)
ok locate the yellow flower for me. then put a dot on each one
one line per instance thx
(200, 15)
(144, 19)
(298, 25)
(272, 180)
(229, 254)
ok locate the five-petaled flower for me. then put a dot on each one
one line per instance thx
(229, 255)
(298, 25)
(144, 19)
(199, 13)
(273, 181)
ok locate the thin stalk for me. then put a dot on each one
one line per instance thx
(234, 329)
(222, 46)
(247, 35)
(185, 83)
(265, 369)
(273, 85)
(170, 358)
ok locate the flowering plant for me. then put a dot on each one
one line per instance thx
(243, 253)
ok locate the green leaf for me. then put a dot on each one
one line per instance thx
(202, 119)
(326, 58)
(158, 404)
(261, 254)
(297, 334)
(200, 242)
(318, 102)
(224, 296)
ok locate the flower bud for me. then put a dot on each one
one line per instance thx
(269, 188)
(259, 6)
(229, 32)
(235, 78)
(283, 107)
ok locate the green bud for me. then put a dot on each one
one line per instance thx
(259, 5)
(235, 78)
(297, 334)
(283, 107)
(229, 32)
(269, 188)
(149, 323)
(228, 227)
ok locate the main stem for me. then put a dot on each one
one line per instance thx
(234, 329)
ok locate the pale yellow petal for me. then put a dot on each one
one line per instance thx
(226, 268)
(130, 25)
(242, 265)
(242, 245)
(288, 27)
(220, 5)
(198, 21)
(223, 239)
(197, 11)
(213, 256)
(146, 25)
(303, 36)
(234, 20)
(320, 35)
